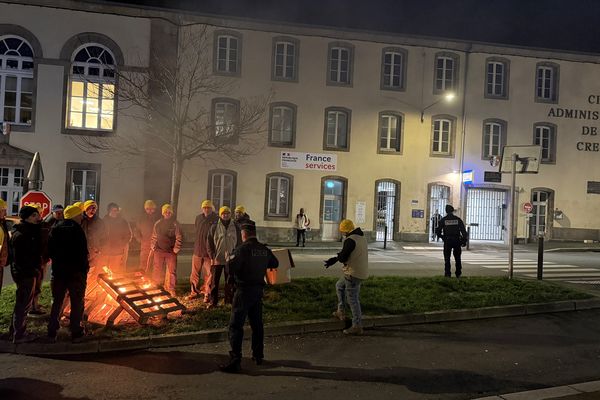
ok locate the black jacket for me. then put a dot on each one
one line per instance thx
(451, 227)
(67, 247)
(26, 244)
(203, 225)
(250, 262)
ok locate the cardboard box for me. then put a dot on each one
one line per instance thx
(283, 274)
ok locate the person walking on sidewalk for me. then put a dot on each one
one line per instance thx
(68, 250)
(26, 244)
(301, 224)
(143, 233)
(4, 253)
(201, 262)
(355, 257)
(166, 243)
(248, 265)
(454, 235)
(223, 238)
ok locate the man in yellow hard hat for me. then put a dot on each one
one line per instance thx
(143, 232)
(95, 233)
(355, 257)
(3, 240)
(201, 262)
(166, 243)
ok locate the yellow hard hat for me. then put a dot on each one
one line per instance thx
(3, 205)
(224, 209)
(346, 226)
(207, 203)
(166, 207)
(240, 209)
(72, 211)
(88, 204)
(149, 204)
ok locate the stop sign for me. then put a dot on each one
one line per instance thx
(527, 207)
(36, 198)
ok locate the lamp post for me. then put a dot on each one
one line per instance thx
(448, 97)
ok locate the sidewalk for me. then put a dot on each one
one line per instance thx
(579, 391)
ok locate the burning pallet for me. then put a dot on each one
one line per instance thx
(137, 295)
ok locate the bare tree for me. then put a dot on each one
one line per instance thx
(173, 101)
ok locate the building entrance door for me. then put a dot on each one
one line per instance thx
(333, 201)
(386, 210)
(486, 213)
(537, 221)
(438, 198)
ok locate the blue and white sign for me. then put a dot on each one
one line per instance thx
(468, 177)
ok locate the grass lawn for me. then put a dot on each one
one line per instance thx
(314, 298)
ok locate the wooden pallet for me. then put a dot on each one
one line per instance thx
(138, 296)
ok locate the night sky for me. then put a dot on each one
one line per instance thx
(572, 25)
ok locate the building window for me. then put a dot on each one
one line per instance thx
(228, 53)
(545, 136)
(285, 59)
(16, 81)
(11, 187)
(546, 87)
(442, 136)
(340, 64)
(83, 182)
(496, 78)
(390, 132)
(393, 69)
(91, 99)
(494, 138)
(225, 117)
(278, 196)
(337, 129)
(222, 188)
(446, 72)
(282, 127)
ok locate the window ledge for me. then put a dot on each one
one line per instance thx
(87, 132)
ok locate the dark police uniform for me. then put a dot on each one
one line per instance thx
(452, 231)
(248, 265)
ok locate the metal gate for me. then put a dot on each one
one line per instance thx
(486, 213)
(386, 208)
(438, 198)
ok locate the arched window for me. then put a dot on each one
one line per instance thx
(16, 80)
(92, 89)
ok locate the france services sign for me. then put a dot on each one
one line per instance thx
(309, 161)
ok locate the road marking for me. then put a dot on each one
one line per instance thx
(563, 275)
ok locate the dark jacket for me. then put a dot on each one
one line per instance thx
(166, 236)
(26, 243)
(5, 253)
(95, 234)
(243, 220)
(348, 246)
(144, 227)
(451, 227)
(68, 249)
(249, 263)
(203, 225)
(51, 221)
(118, 235)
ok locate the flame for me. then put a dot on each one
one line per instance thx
(107, 271)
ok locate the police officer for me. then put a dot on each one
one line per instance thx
(247, 266)
(452, 231)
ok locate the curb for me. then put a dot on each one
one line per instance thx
(557, 393)
(572, 249)
(294, 328)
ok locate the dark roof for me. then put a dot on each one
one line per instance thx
(571, 25)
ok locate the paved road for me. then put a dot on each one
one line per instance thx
(459, 360)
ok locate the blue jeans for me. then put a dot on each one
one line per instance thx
(348, 291)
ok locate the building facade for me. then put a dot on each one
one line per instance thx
(358, 125)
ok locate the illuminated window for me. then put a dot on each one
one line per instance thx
(11, 187)
(16, 81)
(91, 98)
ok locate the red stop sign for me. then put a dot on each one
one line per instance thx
(527, 207)
(36, 198)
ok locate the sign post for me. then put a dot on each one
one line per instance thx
(522, 160)
(37, 199)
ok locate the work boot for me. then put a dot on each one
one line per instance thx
(354, 330)
(234, 365)
(258, 360)
(339, 314)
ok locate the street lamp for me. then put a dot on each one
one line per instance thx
(448, 97)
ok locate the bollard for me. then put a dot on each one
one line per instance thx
(385, 236)
(540, 263)
(468, 237)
